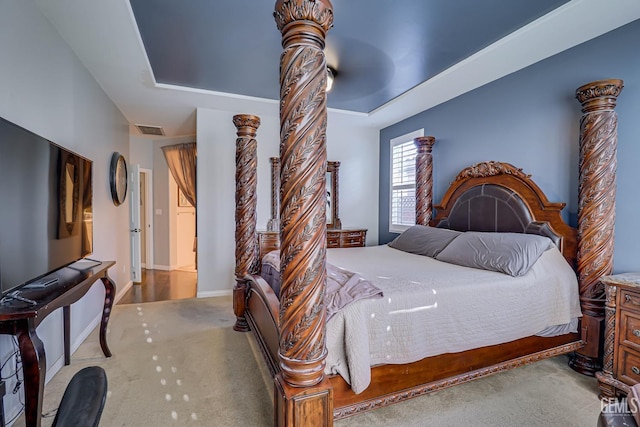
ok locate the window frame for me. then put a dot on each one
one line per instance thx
(402, 139)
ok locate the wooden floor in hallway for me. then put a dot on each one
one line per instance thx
(160, 285)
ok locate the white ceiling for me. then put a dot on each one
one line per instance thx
(104, 36)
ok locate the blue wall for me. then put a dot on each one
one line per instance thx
(531, 119)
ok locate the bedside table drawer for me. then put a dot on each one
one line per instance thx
(628, 366)
(630, 329)
(630, 300)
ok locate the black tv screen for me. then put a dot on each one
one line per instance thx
(45, 206)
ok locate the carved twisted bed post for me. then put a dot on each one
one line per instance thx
(424, 179)
(303, 396)
(596, 212)
(274, 221)
(246, 203)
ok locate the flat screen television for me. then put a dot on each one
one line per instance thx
(45, 206)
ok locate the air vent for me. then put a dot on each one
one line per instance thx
(150, 130)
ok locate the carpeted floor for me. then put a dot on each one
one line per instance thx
(180, 363)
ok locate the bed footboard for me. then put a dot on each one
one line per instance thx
(395, 383)
(261, 313)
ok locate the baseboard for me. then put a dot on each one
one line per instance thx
(208, 294)
(120, 291)
(167, 267)
(55, 367)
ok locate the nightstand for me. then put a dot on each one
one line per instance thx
(621, 362)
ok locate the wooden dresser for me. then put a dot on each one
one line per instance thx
(268, 241)
(346, 238)
(342, 238)
(621, 362)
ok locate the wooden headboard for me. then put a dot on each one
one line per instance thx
(498, 197)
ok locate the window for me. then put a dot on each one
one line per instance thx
(402, 212)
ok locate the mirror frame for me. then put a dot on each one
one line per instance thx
(333, 169)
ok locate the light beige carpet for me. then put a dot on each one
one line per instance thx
(179, 363)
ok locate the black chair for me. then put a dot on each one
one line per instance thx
(83, 399)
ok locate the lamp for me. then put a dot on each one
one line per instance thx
(330, 76)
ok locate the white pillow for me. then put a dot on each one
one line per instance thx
(510, 253)
(424, 240)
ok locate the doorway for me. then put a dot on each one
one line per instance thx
(178, 279)
(146, 218)
(184, 231)
(140, 220)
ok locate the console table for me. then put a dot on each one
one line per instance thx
(20, 318)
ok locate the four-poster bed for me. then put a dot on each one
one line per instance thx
(291, 330)
(337, 237)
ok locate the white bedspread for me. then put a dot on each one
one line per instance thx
(431, 307)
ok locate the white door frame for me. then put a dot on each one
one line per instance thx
(134, 222)
(148, 190)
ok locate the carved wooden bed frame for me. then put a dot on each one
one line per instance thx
(291, 331)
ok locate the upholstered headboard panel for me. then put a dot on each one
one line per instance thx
(491, 207)
(496, 196)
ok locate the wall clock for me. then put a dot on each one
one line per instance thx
(118, 178)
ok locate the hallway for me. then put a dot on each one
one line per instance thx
(160, 285)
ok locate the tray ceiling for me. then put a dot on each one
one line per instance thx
(379, 49)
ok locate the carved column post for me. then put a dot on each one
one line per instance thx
(246, 203)
(274, 221)
(596, 212)
(303, 396)
(424, 179)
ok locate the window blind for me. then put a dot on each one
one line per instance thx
(403, 185)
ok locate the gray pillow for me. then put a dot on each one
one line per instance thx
(423, 240)
(510, 253)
